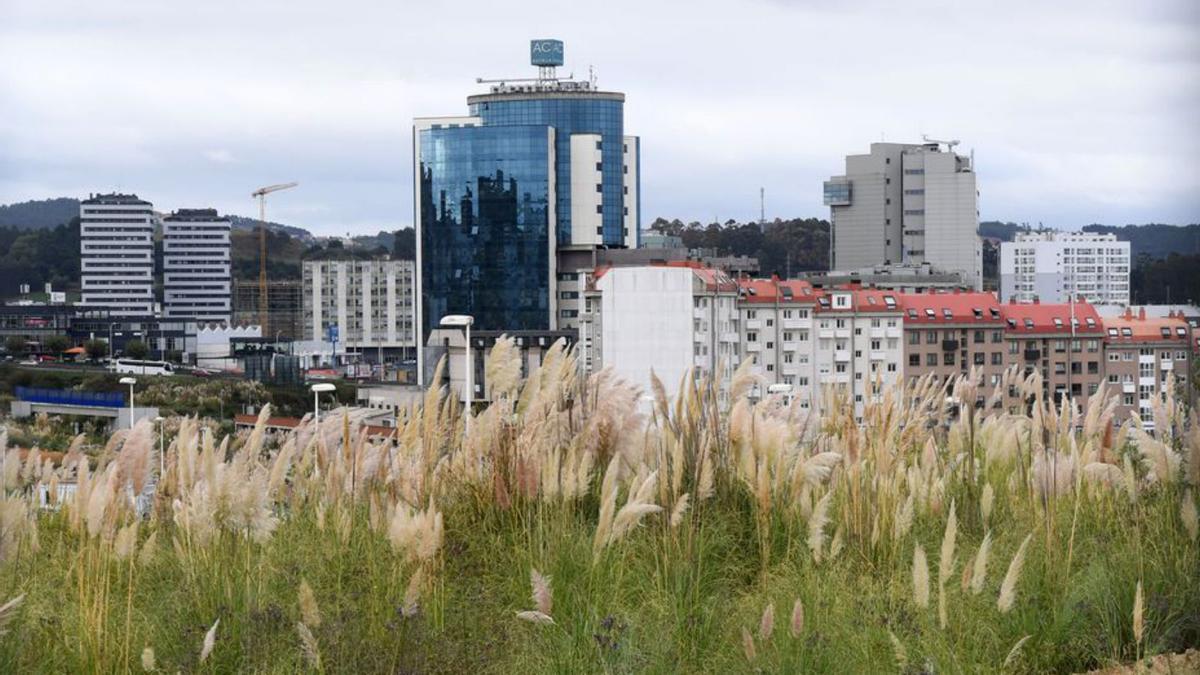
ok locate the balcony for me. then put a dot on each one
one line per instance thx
(842, 333)
(1128, 387)
(1166, 364)
(825, 333)
(841, 355)
(754, 324)
(893, 332)
(835, 378)
(878, 333)
(1033, 354)
(794, 324)
(754, 346)
(878, 356)
(730, 337)
(949, 345)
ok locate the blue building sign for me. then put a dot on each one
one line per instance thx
(546, 52)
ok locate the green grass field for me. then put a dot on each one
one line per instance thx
(569, 532)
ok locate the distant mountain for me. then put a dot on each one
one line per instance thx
(243, 223)
(39, 214)
(1154, 240)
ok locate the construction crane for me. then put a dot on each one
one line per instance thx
(262, 193)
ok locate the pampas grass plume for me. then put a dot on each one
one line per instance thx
(535, 617)
(766, 625)
(1138, 607)
(1187, 513)
(797, 625)
(309, 612)
(1008, 588)
(920, 578)
(1015, 652)
(748, 644)
(148, 660)
(308, 643)
(542, 598)
(979, 569)
(210, 640)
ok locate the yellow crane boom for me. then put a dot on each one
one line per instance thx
(262, 193)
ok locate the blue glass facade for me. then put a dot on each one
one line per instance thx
(582, 113)
(485, 214)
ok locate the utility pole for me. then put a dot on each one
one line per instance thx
(262, 193)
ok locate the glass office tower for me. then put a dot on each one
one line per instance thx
(486, 211)
(539, 168)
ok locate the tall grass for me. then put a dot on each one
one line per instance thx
(572, 531)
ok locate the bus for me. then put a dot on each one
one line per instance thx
(136, 367)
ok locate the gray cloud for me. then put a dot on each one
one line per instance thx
(1078, 111)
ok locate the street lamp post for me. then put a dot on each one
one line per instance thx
(317, 390)
(162, 461)
(464, 321)
(129, 381)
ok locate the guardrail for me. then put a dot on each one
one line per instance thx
(69, 397)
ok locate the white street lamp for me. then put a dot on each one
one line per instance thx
(162, 461)
(317, 390)
(129, 381)
(464, 321)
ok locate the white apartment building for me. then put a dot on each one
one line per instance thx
(1053, 266)
(196, 266)
(669, 318)
(776, 332)
(906, 204)
(859, 344)
(116, 250)
(371, 303)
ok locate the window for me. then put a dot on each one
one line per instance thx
(948, 359)
(931, 337)
(751, 337)
(914, 360)
(997, 359)
(980, 358)
(914, 338)
(978, 337)
(931, 359)
(891, 367)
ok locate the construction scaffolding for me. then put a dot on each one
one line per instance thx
(284, 306)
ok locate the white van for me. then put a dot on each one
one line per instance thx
(136, 367)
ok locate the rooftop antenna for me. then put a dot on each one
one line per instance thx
(762, 206)
(949, 144)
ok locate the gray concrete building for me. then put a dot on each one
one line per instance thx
(196, 266)
(116, 249)
(906, 204)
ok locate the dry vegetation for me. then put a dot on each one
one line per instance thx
(574, 528)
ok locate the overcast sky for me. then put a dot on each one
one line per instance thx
(1078, 111)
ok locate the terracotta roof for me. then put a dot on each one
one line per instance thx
(1129, 328)
(777, 290)
(713, 279)
(861, 300)
(293, 422)
(949, 307)
(1051, 318)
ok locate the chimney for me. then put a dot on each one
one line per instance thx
(1142, 314)
(1128, 312)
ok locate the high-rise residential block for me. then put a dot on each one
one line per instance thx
(369, 303)
(510, 199)
(1054, 266)
(675, 319)
(906, 204)
(196, 266)
(1146, 356)
(116, 248)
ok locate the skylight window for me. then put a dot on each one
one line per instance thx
(889, 301)
(929, 313)
(1127, 332)
(978, 312)
(1058, 322)
(1029, 323)
(947, 313)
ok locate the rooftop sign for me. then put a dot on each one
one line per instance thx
(546, 52)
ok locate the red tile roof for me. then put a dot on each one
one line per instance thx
(1130, 329)
(948, 307)
(777, 290)
(1055, 318)
(281, 423)
(861, 300)
(713, 279)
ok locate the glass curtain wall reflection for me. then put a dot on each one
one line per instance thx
(486, 210)
(574, 113)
